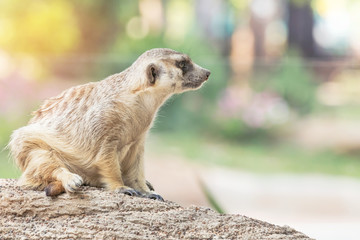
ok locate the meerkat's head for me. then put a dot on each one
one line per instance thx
(171, 71)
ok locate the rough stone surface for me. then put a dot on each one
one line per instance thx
(95, 213)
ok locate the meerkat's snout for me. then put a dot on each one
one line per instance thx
(195, 77)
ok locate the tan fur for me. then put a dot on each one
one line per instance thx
(95, 133)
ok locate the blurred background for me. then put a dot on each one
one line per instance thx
(275, 132)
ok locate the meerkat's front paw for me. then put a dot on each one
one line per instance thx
(128, 191)
(73, 182)
(154, 196)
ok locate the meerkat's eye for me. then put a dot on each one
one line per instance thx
(182, 64)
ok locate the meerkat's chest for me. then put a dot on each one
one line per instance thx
(135, 119)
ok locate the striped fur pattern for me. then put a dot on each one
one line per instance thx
(94, 133)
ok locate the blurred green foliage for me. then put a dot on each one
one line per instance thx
(295, 84)
(7, 167)
(291, 80)
(93, 39)
(255, 156)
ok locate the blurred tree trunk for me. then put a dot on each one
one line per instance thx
(98, 25)
(258, 29)
(300, 23)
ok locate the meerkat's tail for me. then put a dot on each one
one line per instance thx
(43, 157)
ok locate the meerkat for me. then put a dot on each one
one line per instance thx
(94, 134)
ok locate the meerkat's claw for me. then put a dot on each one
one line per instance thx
(73, 183)
(129, 191)
(132, 192)
(154, 196)
(150, 186)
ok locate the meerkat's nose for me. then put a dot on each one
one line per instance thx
(207, 74)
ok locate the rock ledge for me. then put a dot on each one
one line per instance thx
(95, 213)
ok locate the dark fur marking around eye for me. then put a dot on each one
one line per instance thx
(185, 65)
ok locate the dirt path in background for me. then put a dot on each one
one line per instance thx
(322, 207)
(342, 135)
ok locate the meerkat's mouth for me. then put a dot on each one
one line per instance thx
(195, 82)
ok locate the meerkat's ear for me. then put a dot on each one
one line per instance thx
(152, 73)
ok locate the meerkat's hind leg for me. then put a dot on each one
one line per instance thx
(45, 170)
(70, 181)
(66, 182)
